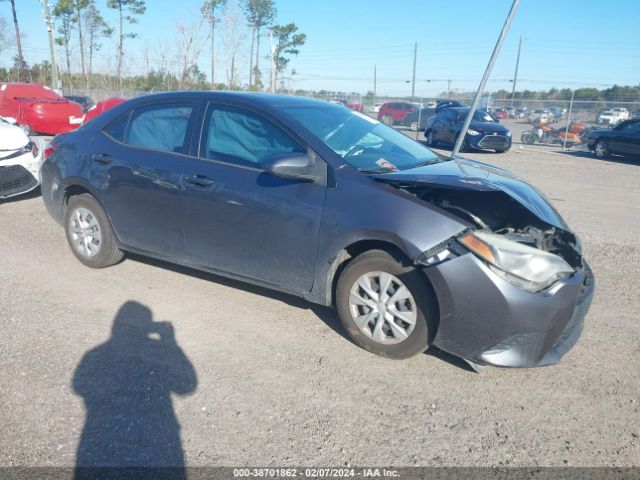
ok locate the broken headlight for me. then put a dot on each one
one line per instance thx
(526, 267)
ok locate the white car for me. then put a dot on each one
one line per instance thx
(613, 116)
(375, 108)
(20, 161)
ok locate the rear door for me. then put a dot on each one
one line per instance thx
(137, 168)
(240, 219)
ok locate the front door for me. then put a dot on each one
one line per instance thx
(240, 219)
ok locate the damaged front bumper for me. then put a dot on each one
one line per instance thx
(489, 321)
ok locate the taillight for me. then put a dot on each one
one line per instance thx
(50, 148)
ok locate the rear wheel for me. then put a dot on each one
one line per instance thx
(414, 126)
(385, 307)
(601, 149)
(89, 233)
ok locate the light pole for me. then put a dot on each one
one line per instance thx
(48, 20)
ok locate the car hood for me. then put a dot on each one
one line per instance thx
(462, 174)
(12, 137)
(488, 127)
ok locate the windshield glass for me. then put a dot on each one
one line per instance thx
(361, 141)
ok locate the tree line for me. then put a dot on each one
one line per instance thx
(80, 23)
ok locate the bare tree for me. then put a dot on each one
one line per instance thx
(233, 35)
(190, 43)
(259, 13)
(80, 5)
(128, 10)
(6, 41)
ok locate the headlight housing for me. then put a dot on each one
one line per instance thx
(471, 131)
(526, 267)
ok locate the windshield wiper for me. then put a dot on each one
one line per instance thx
(432, 162)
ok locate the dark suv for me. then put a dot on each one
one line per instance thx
(322, 202)
(484, 132)
(395, 113)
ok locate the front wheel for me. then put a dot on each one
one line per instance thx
(601, 149)
(89, 233)
(528, 137)
(414, 126)
(386, 308)
(387, 120)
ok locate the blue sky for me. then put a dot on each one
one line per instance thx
(566, 43)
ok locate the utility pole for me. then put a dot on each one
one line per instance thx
(515, 75)
(48, 20)
(18, 41)
(375, 82)
(448, 88)
(413, 81)
(485, 77)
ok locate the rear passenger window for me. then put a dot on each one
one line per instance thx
(118, 127)
(243, 138)
(160, 127)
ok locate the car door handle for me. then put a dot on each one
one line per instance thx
(103, 158)
(199, 181)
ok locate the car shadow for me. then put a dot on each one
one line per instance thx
(327, 314)
(611, 158)
(131, 429)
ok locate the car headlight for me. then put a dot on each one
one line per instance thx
(526, 267)
(473, 132)
(509, 134)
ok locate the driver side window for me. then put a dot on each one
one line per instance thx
(243, 138)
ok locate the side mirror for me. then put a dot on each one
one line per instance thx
(295, 166)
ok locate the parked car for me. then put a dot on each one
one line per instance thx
(500, 114)
(375, 108)
(521, 112)
(356, 106)
(447, 103)
(38, 109)
(321, 202)
(623, 139)
(85, 102)
(395, 112)
(102, 106)
(511, 111)
(612, 116)
(20, 161)
(417, 119)
(484, 132)
(540, 116)
(558, 113)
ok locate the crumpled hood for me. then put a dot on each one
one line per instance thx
(464, 174)
(11, 138)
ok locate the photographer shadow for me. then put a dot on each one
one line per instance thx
(131, 430)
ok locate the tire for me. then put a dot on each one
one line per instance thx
(387, 120)
(89, 233)
(431, 138)
(601, 149)
(414, 126)
(528, 137)
(416, 303)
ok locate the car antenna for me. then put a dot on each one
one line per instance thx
(485, 77)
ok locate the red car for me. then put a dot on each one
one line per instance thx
(102, 106)
(500, 114)
(38, 108)
(395, 112)
(356, 106)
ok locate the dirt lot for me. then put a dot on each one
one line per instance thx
(259, 378)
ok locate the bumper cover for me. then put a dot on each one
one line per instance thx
(20, 174)
(487, 320)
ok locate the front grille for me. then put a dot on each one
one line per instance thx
(499, 142)
(15, 179)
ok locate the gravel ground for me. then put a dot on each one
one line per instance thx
(259, 378)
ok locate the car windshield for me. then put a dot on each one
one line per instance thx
(361, 141)
(478, 115)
